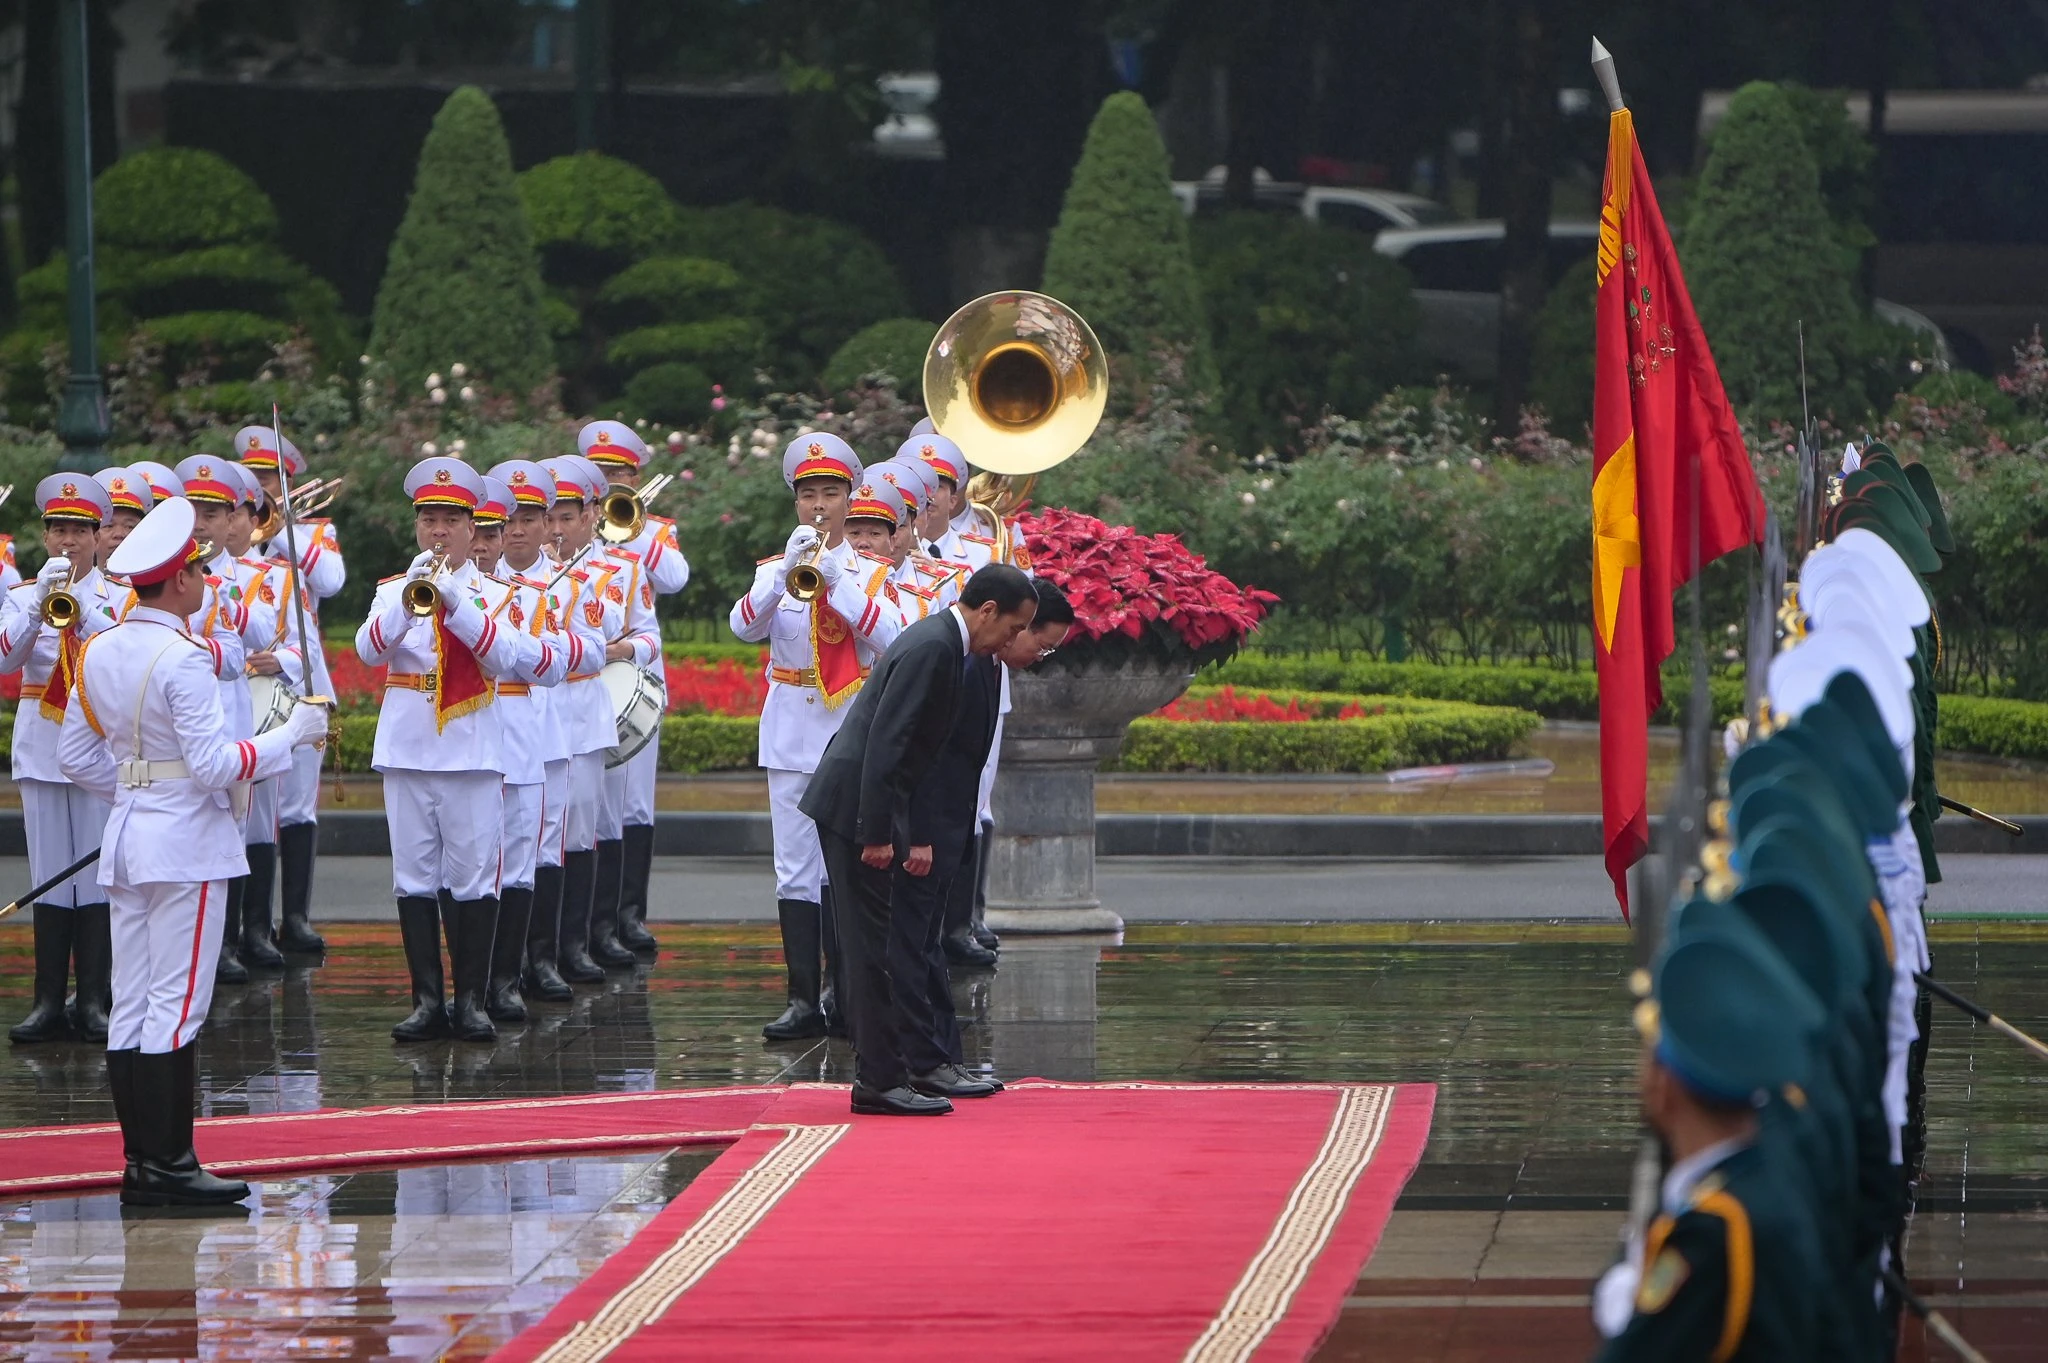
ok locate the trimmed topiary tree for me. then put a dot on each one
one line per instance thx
(893, 348)
(593, 215)
(1120, 252)
(1762, 258)
(462, 283)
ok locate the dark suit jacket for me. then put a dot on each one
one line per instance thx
(891, 736)
(945, 806)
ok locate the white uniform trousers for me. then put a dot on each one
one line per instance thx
(63, 824)
(298, 793)
(447, 830)
(261, 825)
(554, 806)
(522, 836)
(640, 776)
(799, 859)
(611, 809)
(586, 799)
(166, 940)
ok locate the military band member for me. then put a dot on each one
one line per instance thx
(321, 573)
(819, 653)
(620, 455)
(144, 732)
(440, 748)
(129, 498)
(487, 540)
(584, 710)
(63, 823)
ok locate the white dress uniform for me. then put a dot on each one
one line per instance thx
(816, 664)
(10, 572)
(145, 731)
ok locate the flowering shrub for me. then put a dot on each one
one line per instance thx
(1227, 704)
(1149, 589)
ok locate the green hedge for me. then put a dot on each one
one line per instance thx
(694, 743)
(1995, 728)
(1553, 693)
(1414, 735)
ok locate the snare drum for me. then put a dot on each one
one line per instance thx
(638, 701)
(272, 699)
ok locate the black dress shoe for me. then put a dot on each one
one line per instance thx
(900, 1101)
(800, 1021)
(985, 935)
(962, 949)
(950, 1081)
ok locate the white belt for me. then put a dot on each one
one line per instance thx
(139, 772)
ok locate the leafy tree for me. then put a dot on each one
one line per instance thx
(593, 215)
(462, 282)
(1561, 373)
(894, 347)
(1120, 253)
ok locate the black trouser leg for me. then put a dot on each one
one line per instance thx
(921, 990)
(957, 929)
(230, 969)
(297, 846)
(419, 927)
(259, 947)
(543, 938)
(55, 930)
(471, 925)
(801, 924)
(508, 944)
(92, 947)
(605, 947)
(639, 872)
(579, 879)
(828, 992)
(860, 903)
(983, 933)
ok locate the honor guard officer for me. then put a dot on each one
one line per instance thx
(144, 732)
(44, 626)
(922, 583)
(266, 584)
(440, 747)
(583, 708)
(874, 509)
(820, 648)
(321, 573)
(620, 454)
(487, 540)
(526, 566)
(130, 500)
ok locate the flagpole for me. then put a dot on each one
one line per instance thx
(1603, 71)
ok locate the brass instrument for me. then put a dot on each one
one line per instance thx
(306, 499)
(60, 609)
(420, 596)
(622, 514)
(806, 583)
(1018, 381)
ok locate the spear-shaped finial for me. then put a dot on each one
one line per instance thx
(1603, 71)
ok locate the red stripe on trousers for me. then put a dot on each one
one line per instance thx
(192, 974)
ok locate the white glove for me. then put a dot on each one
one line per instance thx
(461, 613)
(307, 724)
(423, 565)
(51, 576)
(1614, 1298)
(800, 539)
(831, 570)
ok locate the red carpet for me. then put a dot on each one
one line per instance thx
(82, 1158)
(1054, 1221)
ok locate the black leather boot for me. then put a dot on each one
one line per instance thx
(259, 946)
(121, 1084)
(46, 1021)
(605, 947)
(471, 924)
(983, 933)
(639, 871)
(801, 926)
(166, 1172)
(229, 969)
(543, 938)
(297, 844)
(508, 945)
(92, 947)
(579, 879)
(419, 927)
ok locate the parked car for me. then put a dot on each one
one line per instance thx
(1456, 270)
(1358, 210)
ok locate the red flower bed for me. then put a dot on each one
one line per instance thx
(1128, 584)
(1231, 706)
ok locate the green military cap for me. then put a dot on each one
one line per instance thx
(1781, 848)
(1790, 909)
(1831, 743)
(1732, 1020)
(1884, 511)
(1803, 797)
(1848, 693)
(1887, 473)
(1930, 497)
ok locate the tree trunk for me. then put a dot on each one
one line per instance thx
(1525, 244)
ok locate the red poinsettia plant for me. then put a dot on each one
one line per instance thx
(1139, 594)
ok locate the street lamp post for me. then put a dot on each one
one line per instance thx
(82, 419)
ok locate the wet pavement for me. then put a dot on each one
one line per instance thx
(1514, 1209)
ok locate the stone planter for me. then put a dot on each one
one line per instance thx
(1060, 727)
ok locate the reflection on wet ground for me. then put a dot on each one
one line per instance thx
(1524, 1028)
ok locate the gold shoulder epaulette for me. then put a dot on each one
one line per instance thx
(874, 558)
(772, 558)
(978, 539)
(393, 578)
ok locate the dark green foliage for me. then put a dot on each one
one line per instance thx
(1561, 382)
(462, 283)
(1120, 253)
(1843, 159)
(1306, 320)
(592, 215)
(168, 199)
(722, 346)
(1762, 257)
(1415, 736)
(894, 348)
(694, 743)
(668, 289)
(811, 281)
(216, 341)
(2015, 729)
(671, 391)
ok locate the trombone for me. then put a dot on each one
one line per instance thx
(420, 596)
(622, 514)
(806, 583)
(312, 496)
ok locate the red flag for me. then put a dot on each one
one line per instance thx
(1667, 455)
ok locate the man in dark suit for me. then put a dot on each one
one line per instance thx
(861, 795)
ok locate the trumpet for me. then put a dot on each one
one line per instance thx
(314, 495)
(806, 583)
(60, 609)
(420, 596)
(623, 512)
